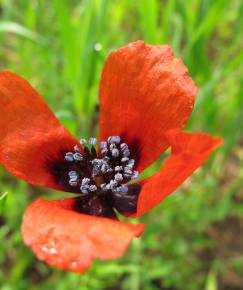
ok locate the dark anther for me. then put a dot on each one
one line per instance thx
(103, 180)
(96, 206)
(127, 203)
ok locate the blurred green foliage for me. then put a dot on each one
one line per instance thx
(60, 46)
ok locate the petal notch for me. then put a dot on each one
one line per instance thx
(189, 152)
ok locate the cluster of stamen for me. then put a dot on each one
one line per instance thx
(107, 172)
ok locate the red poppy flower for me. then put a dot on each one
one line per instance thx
(146, 97)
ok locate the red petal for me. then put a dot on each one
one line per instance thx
(144, 91)
(70, 240)
(189, 151)
(30, 134)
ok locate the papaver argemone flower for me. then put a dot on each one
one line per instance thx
(146, 97)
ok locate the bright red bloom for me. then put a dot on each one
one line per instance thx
(146, 97)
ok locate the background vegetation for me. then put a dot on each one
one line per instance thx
(194, 240)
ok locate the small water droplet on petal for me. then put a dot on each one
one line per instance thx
(74, 264)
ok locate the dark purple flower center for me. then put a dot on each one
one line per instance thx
(103, 174)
